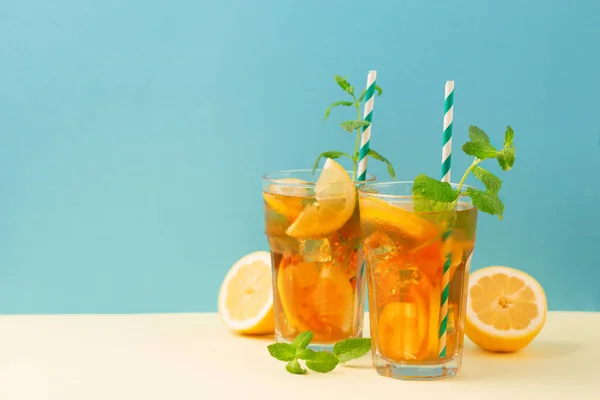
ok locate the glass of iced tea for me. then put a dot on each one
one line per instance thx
(418, 271)
(313, 227)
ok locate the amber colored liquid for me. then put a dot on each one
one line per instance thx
(405, 284)
(317, 281)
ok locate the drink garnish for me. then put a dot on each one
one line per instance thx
(352, 126)
(432, 195)
(318, 361)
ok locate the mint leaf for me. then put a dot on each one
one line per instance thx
(330, 154)
(349, 349)
(302, 340)
(282, 351)
(486, 202)
(295, 368)
(337, 104)
(432, 195)
(355, 125)
(306, 354)
(509, 137)
(364, 92)
(481, 150)
(506, 157)
(423, 205)
(352, 125)
(491, 182)
(322, 362)
(432, 189)
(344, 84)
(379, 157)
(478, 135)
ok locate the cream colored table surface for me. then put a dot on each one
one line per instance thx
(192, 356)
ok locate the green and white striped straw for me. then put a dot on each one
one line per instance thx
(446, 164)
(365, 139)
(444, 301)
(447, 135)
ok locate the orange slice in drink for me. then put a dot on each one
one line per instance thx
(316, 299)
(246, 295)
(432, 294)
(403, 328)
(506, 309)
(377, 211)
(429, 257)
(335, 201)
(286, 196)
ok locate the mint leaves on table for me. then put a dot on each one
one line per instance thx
(318, 361)
(432, 195)
(350, 349)
(351, 126)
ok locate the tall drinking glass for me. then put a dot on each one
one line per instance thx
(418, 271)
(318, 264)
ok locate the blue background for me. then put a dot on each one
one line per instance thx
(133, 135)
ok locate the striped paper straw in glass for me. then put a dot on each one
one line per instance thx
(365, 139)
(447, 135)
(444, 299)
(446, 164)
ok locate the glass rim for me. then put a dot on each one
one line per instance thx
(386, 196)
(272, 177)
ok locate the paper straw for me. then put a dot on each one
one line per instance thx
(446, 164)
(444, 300)
(365, 139)
(447, 135)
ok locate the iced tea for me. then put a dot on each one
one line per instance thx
(405, 253)
(318, 265)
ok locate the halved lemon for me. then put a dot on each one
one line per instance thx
(506, 309)
(335, 201)
(246, 295)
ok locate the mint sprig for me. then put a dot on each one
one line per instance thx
(432, 195)
(351, 126)
(302, 340)
(350, 349)
(318, 361)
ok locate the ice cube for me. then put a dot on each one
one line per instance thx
(410, 275)
(379, 245)
(291, 187)
(315, 250)
(283, 245)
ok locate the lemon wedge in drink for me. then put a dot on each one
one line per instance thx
(335, 201)
(506, 309)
